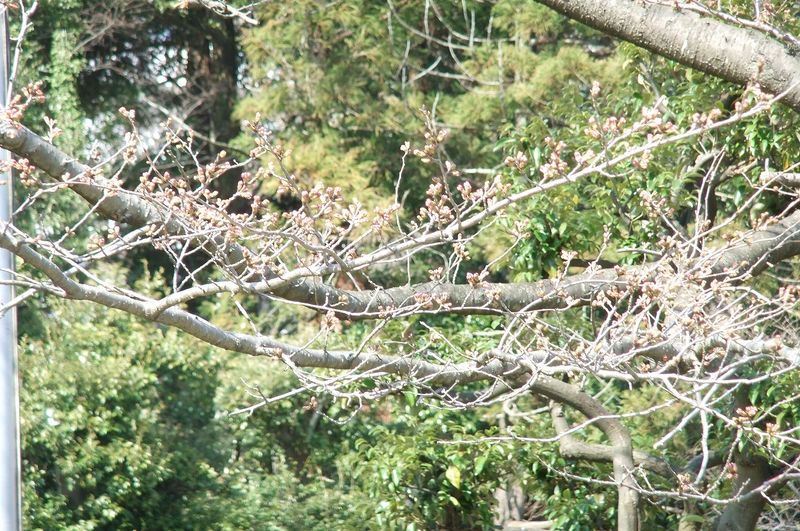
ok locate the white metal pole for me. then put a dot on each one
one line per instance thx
(10, 475)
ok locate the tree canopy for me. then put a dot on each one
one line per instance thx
(406, 265)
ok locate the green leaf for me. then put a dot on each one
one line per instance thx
(410, 396)
(454, 501)
(753, 394)
(453, 475)
(480, 462)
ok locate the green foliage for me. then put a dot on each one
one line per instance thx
(125, 425)
(527, 16)
(122, 429)
(62, 92)
(427, 468)
(354, 79)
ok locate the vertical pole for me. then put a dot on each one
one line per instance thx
(10, 476)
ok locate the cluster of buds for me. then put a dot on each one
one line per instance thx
(424, 300)
(301, 223)
(595, 90)
(518, 161)
(753, 95)
(476, 279)
(383, 217)
(465, 189)
(32, 93)
(311, 405)
(684, 481)
(322, 200)
(745, 414)
(442, 300)
(128, 114)
(436, 274)
(494, 296)
(592, 130)
(705, 119)
(764, 220)
(26, 171)
(330, 323)
(451, 169)
(354, 214)
(611, 126)
(461, 251)
(652, 335)
(323, 194)
(96, 241)
(214, 169)
(789, 294)
(244, 186)
(652, 119)
(772, 429)
(150, 183)
(698, 322)
(653, 205)
(433, 138)
(641, 163)
(652, 290)
(585, 157)
(261, 138)
(651, 115)
(131, 146)
(437, 207)
(487, 193)
(555, 166)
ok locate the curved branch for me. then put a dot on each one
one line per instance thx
(571, 446)
(431, 374)
(620, 453)
(756, 252)
(736, 54)
(778, 242)
(111, 201)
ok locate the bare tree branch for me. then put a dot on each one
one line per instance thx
(736, 54)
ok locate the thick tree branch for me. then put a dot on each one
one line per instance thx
(111, 202)
(758, 251)
(620, 452)
(571, 446)
(742, 515)
(776, 243)
(752, 472)
(431, 374)
(736, 54)
(788, 179)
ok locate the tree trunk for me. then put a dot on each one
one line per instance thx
(751, 472)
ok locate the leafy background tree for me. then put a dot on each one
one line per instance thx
(127, 427)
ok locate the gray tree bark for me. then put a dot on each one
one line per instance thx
(621, 448)
(735, 54)
(742, 515)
